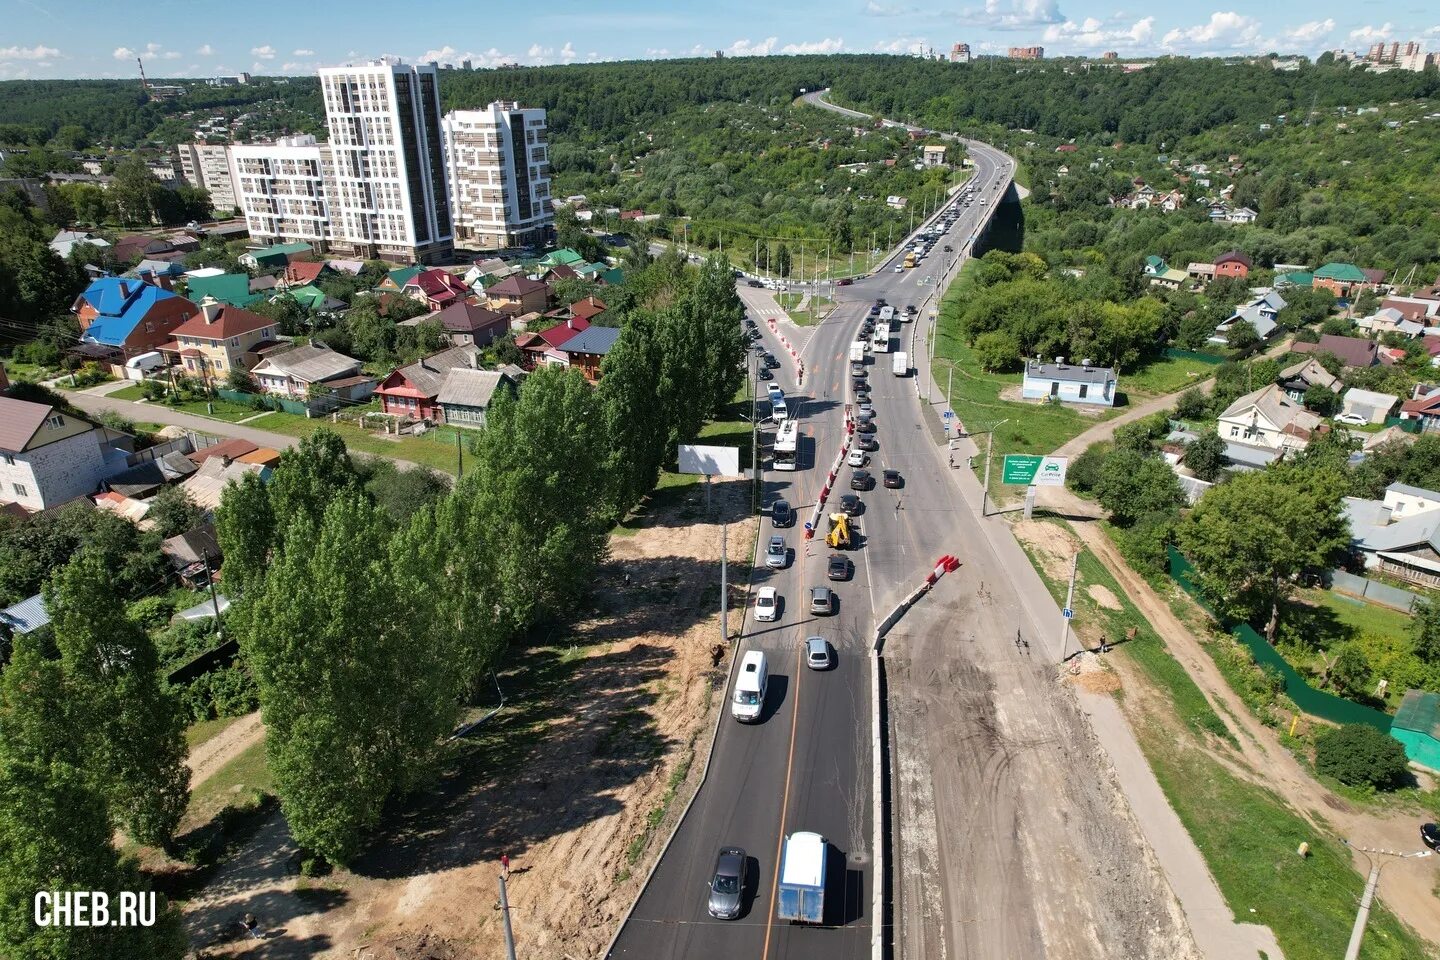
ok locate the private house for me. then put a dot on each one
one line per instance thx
(1161, 275)
(129, 316)
(67, 240)
(413, 391)
(559, 272)
(313, 373)
(27, 616)
(435, 288)
(1262, 312)
(1404, 544)
(544, 346)
(136, 247)
(1422, 310)
(1373, 406)
(1299, 377)
(194, 555)
(1390, 320)
(1423, 405)
(1344, 280)
(160, 273)
(277, 256)
(219, 339)
(232, 289)
(1239, 215)
(466, 395)
(315, 300)
(48, 458)
(1403, 500)
(1294, 278)
(1270, 420)
(206, 486)
(588, 349)
(587, 309)
(518, 294)
(1201, 273)
(1233, 264)
(1417, 727)
(145, 479)
(1070, 383)
(469, 324)
(1352, 351)
(562, 257)
(301, 273)
(396, 279)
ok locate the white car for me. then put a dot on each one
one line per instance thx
(767, 604)
(857, 458)
(899, 268)
(1353, 419)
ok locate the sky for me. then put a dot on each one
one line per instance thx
(42, 39)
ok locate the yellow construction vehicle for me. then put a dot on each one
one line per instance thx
(839, 535)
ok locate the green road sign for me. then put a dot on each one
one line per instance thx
(1030, 470)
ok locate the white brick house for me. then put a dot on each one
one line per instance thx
(48, 458)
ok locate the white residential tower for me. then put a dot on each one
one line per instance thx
(498, 162)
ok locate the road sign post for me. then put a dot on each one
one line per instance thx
(1031, 470)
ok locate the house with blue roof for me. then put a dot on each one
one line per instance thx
(128, 315)
(587, 350)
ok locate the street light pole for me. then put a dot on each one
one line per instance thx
(1069, 601)
(1357, 933)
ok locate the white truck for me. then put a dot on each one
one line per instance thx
(857, 351)
(900, 363)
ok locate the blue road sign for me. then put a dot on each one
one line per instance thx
(809, 525)
(949, 414)
(1069, 613)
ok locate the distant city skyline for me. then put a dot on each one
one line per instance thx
(201, 38)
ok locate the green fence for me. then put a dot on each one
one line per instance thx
(1409, 426)
(1175, 354)
(273, 402)
(1318, 703)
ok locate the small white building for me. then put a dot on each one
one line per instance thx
(1373, 406)
(1070, 383)
(48, 458)
(1404, 500)
(934, 156)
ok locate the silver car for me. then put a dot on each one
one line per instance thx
(776, 555)
(817, 653)
(727, 884)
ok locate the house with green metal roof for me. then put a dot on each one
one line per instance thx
(232, 289)
(315, 300)
(276, 257)
(1417, 726)
(396, 279)
(1296, 278)
(564, 256)
(1344, 279)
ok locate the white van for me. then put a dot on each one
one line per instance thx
(748, 702)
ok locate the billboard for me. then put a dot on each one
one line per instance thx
(1028, 470)
(710, 461)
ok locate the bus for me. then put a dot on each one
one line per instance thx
(787, 446)
(880, 339)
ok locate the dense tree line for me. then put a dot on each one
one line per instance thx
(340, 591)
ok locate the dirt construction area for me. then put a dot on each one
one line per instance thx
(578, 779)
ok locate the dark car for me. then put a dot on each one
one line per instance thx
(861, 480)
(727, 884)
(764, 373)
(867, 426)
(850, 504)
(949, 249)
(892, 479)
(780, 513)
(772, 363)
(880, 302)
(860, 386)
(753, 283)
(838, 568)
(867, 443)
(1430, 835)
(844, 282)
(910, 309)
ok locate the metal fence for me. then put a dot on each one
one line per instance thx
(273, 402)
(1374, 590)
(1318, 703)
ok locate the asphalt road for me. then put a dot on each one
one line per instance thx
(807, 765)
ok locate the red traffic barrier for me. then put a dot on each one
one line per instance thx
(931, 578)
(824, 493)
(810, 533)
(951, 564)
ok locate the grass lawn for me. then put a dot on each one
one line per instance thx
(1247, 835)
(20, 372)
(217, 409)
(1360, 615)
(244, 778)
(131, 393)
(1163, 375)
(673, 487)
(434, 453)
(202, 730)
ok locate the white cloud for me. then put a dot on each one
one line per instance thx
(297, 67)
(266, 52)
(901, 45)
(302, 53)
(37, 52)
(1223, 31)
(1432, 32)
(448, 54)
(656, 53)
(123, 53)
(1369, 34)
(1092, 34)
(1312, 32)
(1015, 14)
(536, 51)
(206, 51)
(828, 45)
(875, 9)
(745, 48)
(567, 52)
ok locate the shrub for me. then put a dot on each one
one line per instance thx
(1084, 472)
(1191, 405)
(154, 389)
(1360, 755)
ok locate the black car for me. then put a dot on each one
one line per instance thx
(949, 249)
(910, 309)
(867, 426)
(892, 479)
(867, 443)
(753, 283)
(861, 480)
(727, 884)
(764, 373)
(838, 568)
(860, 386)
(1430, 835)
(771, 362)
(850, 504)
(780, 513)
(844, 282)
(880, 302)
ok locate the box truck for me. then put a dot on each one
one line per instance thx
(900, 363)
(802, 879)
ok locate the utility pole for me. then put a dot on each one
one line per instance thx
(214, 601)
(1069, 601)
(1357, 933)
(985, 493)
(505, 916)
(459, 458)
(724, 588)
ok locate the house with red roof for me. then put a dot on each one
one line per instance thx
(436, 288)
(219, 339)
(518, 294)
(302, 272)
(1423, 405)
(544, 346)
(587, 309)
(412, 392)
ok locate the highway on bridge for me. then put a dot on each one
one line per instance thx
(807, 766)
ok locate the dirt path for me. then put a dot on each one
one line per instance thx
(1264, 760)
(583, 777)
(225, 746)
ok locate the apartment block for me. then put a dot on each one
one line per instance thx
(960, 53)
(281, 189)
(498, 162)
(1026, 53)
(207, 166)
(385, 173)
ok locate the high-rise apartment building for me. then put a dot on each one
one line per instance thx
(384, 173)
(1026, 53)
(498, 163)
(281, 189)
(960, 53)
(207, 166)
